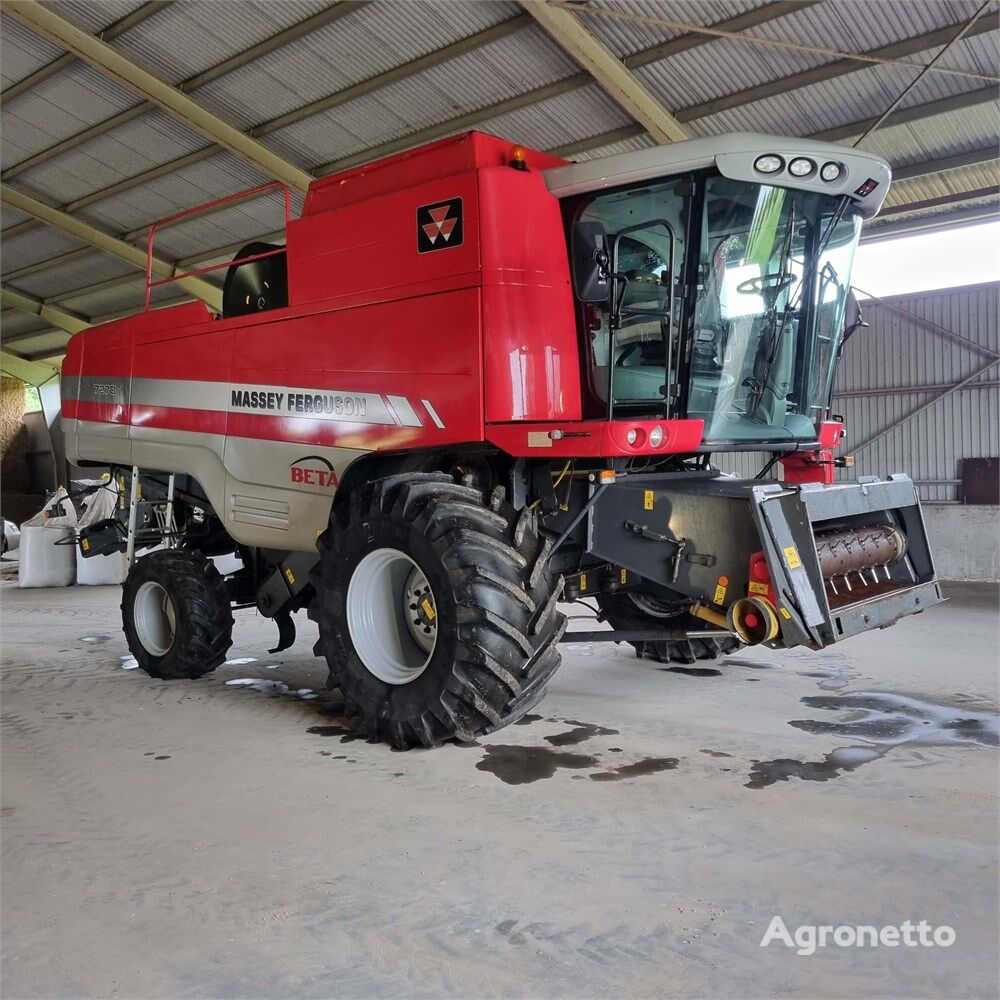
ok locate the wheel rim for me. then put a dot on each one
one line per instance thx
(392, 616)
(155, 618)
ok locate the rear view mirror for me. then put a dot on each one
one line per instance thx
(853, 318)
(591, 262)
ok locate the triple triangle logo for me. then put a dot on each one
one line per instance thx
(439, 226)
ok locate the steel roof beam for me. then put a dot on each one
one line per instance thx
(904, 116)
(101, 240)
(613, 77)
(64, 319)
(109, 61)
(664, 50)
(112, 31)
(971, 215)
(969, 158)
(835, 69)
(286, 37)
(828, 71)
(33, 372)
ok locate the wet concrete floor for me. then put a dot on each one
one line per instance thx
(237, 836)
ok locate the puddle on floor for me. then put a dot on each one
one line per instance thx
(715, 753)
(271, 687)
(581, 731)
(651, 765)
(885, 721)
(893, 719)
(242, 659)
(516, 765)
(129, 662)
(693, 671)
(97, 639)
(839, 761)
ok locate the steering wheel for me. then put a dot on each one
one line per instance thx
(775, 282)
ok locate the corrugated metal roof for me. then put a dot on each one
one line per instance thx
(130, 149)
(94, 16)
(625, 37)
(182, 39)
(82, 272)
(502, 69)
(16, 323)
(211, 31)
(59, 107)
(35, 244)
(22, 51)
(370, 41)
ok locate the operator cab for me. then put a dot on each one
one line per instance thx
(727, 281)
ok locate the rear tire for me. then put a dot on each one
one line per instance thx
(176, 614)
(495, 622)
(622, 612)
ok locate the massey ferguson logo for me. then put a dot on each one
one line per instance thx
(439, 226)
(313, 470)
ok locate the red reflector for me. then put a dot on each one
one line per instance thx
(867, 188)
(751, 620)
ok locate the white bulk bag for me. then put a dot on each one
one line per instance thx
(106, 569)
(48, 546)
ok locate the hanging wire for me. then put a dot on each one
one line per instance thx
(777, 43)
(944, 51)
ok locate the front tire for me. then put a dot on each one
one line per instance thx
(176, 614)
(635, 610)
(435, 618)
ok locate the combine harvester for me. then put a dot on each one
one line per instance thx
(477, 380)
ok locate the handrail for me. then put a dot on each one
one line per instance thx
(198, 210)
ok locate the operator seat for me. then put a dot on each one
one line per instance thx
(257, 285)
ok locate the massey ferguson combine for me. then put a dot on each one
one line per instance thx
(478, 380)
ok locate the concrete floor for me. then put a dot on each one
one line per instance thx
(210, 839)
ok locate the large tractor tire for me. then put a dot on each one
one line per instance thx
(176, 614)
(637, 610)
(435, 617)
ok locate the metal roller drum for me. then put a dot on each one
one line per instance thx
(854, 550)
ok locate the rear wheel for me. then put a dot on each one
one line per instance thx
(435, 618)
(176, 614)
(637, 609)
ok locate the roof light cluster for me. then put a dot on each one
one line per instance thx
(800, 167)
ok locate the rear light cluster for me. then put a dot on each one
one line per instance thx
(636, 437)
(800, 167)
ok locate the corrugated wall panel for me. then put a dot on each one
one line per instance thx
(900, 351)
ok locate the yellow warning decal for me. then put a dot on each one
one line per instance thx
(720, 590)
(428, 609)
(756, 587)
(647, 499)
(785, 613)
(289, 576)
(85, 544)
(624, 576)
(792, 557)
(583, 581)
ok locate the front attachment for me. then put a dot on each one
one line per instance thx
(777, 564)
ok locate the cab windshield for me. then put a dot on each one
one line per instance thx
(729, 304)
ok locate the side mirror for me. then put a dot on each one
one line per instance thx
(853, 318)
(591, 262)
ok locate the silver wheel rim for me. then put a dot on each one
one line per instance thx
(392, 616)
(155, 618)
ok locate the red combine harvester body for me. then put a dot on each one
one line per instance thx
(487, 378)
